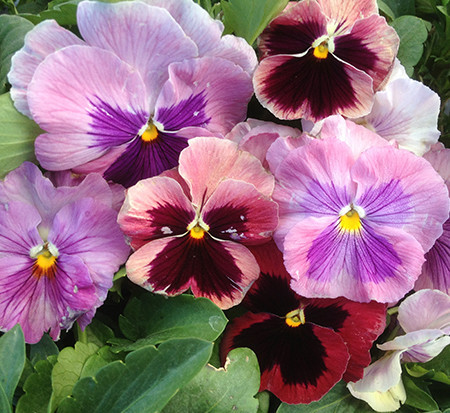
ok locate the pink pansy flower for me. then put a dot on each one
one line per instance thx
(59, 250)
(190, 228)
(352, 215)
(125, 100)
(324, 57)
(436, 269)
(426, 336)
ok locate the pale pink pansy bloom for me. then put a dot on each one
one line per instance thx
(352, 214)
(436, 269)
(426, 336)
(125, 100)
(324, 57)
(59, 250)
(190, 228)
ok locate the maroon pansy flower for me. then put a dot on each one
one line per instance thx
(304, 345)
(324, 57)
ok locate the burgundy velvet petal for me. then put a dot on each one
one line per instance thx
(294, 30)
(359, 324)
(236, 211)
(295, 87)
(221, 271)
(155, 208)
(298, 364)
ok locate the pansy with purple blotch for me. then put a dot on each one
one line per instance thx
(190, 227)
(324, 57)
(356, 214)
(125, 100)
(425, 319)
(59, 250)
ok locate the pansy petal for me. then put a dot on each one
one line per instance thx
(220, 271)
(298, 365)
(344, 13)
(357, 137)
(88, 92)
(123, 28)
(195, 96)
(311, 88)
(44, 39)
(194, 21)
(407, 111)
(436, 269)
(155, 208)
(88, 230)
(236, 211)
(439, 157)
(221, 160)
(433, 307)
(43, 304)
(359, 324)
(375, 263)
(293, 31)
(371, 46)
(395, 188)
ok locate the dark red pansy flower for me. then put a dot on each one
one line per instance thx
(304, 345)
(324, 57)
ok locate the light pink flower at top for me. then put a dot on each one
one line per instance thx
(324, 57)
(190, 227)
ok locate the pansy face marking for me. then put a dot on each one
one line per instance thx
(45, 264)
(350, 218)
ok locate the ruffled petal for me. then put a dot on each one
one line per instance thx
(155, 208)
(434, 309)
(401, 190)
(236, 211)
(44, 39)
(194, 21)
(195, 96)
(371, 46)
(220, 271)
(298, 365)
(406, 111)
(148, 38)
(374, 263)
(208, 161)
(88, 94)
(88, 230)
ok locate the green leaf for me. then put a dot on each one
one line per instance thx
(38, 388)
(386, 10)
(337, 400)
(440, 363)
(264, 401)
(221, 390)
(144, 383)
(98, 360)
(398, 7)
(248, 18)
(152, 319)
(416, 397)
(12, 32)
(12, 362)
(98, 333)
(63, 11)
(17, 135)
(413, 33)
(67, 370)
(44, 348)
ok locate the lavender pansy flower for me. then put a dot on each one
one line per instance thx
(352, 214)
(125, 100)
(59, 250)
(426, 336)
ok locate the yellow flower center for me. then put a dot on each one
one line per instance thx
(150, 133)
(350, 221)
(197, 228)
(45, 265)
(295, 318)
(321, 51)
(197, 232)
